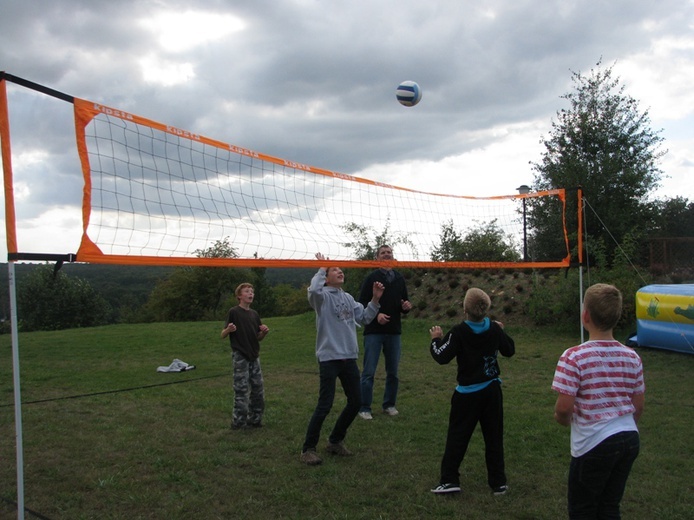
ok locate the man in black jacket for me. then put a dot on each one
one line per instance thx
(383, 333)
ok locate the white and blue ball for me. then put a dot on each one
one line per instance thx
(408, 93)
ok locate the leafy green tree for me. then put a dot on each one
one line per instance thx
(366, 240)
(365, 243)
(264, 300)
(485, 243)
(451, 245)
(605, 145)
(290, 300)
(673, 218)
(49, 300)
(196, 293)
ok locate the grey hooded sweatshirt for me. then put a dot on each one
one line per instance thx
(337, 314)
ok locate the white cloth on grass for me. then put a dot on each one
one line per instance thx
(177, 366)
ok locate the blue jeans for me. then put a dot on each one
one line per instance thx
(598, 478)
(373, 343)
(347, 371)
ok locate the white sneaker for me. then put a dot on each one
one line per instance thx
(366, 416)
(392, 411)
(501, 490)
(446, 488)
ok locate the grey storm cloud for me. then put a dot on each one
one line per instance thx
(315, 82)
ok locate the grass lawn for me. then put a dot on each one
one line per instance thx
(107, 437)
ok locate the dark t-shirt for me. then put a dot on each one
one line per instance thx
(245, 338)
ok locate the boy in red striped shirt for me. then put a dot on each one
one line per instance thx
(601, 396)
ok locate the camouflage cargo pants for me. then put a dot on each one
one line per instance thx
(249, 393)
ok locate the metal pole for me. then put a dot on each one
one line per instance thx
(525, 236)
(524, 189)
(17, 392)
(580, 299)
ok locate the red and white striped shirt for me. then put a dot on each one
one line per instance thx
(602, 376)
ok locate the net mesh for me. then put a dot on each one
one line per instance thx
(158, 192)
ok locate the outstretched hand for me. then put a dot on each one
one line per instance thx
(436, 332)
(378, 289)
(321, 256)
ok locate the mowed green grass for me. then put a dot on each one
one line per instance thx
(165, 451)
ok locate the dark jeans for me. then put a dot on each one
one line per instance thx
(486, 408)
(347, 372)
(391, 347)
(598, 478)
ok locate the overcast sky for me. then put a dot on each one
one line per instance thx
(314, 82)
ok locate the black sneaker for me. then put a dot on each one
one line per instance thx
(501, 490)
(446, 488)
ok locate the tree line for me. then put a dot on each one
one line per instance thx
(602, 142)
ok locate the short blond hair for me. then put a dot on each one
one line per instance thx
(476, 303)
(604, 304)
(241, 287)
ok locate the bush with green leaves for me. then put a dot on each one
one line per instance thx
(485, 242)
(559, 302)
(51, 300)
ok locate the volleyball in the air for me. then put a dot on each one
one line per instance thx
(408, 93)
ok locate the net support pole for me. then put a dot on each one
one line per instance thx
(580, 299)
(17, 392)
(580, 260)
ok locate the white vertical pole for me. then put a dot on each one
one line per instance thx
(17, 392)
(580, 299)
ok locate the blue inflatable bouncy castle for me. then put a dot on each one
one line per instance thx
(665, 317)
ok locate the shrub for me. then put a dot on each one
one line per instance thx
(49, 300)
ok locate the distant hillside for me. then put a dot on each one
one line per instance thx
(118, 284)
(438, 295)
(295, 277)
(435, 295)
(130, 285)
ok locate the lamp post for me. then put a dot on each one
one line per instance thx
(524, 189)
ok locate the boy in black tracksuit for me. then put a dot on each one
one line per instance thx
(475, 344)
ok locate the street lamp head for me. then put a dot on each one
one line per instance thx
(523, 189)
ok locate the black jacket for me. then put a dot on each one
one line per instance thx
(391, 301)
(476, 353)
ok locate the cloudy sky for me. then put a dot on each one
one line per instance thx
(314, 82)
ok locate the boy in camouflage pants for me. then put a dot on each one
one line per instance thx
(245, 331)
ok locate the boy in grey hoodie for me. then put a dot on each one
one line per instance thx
(337, 314)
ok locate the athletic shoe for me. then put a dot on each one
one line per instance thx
(392, 411)
(366, 416)
(501, 490)
(446, 488)
(338, 449)
(310, 457)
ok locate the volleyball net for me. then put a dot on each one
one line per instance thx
(154, 194)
